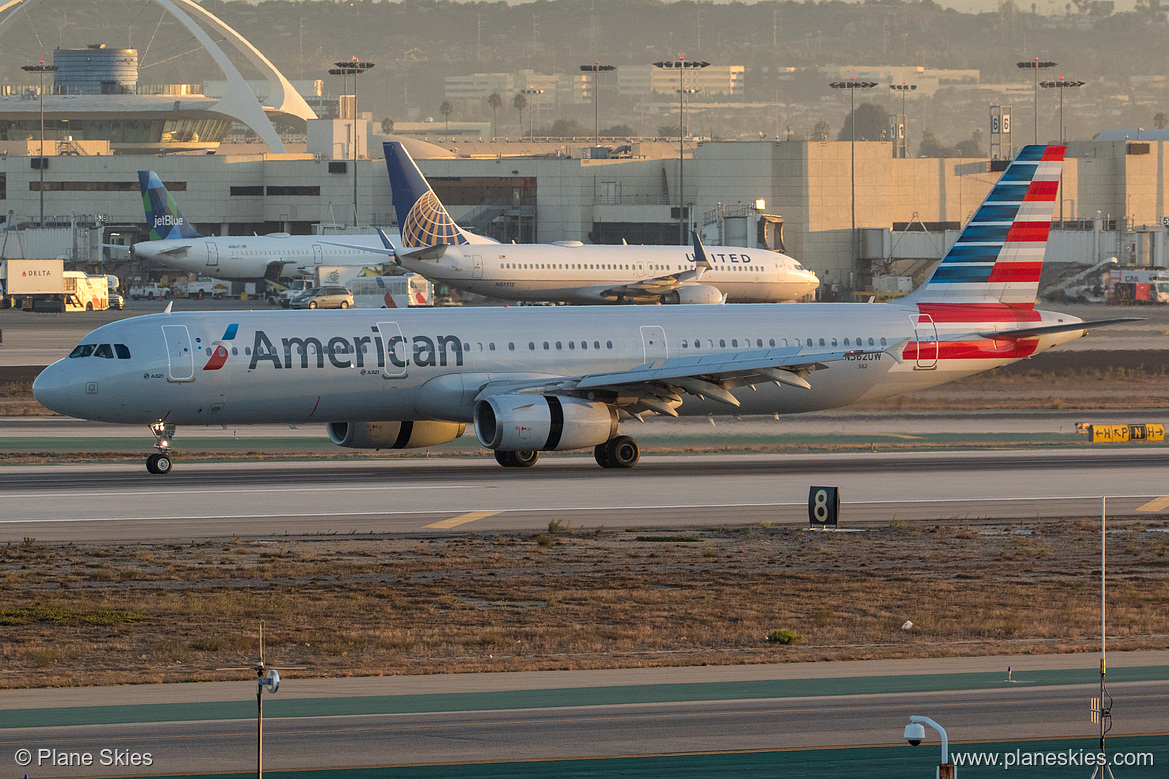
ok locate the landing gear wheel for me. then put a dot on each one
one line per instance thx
(521, 459)
(158, 463)
(619, 452)
(600, 451)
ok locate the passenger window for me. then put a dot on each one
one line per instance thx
(123, 351)
(531, 346)
(834, 342)
(722, 342)
(821, 342)
(491, 347)
(735, 342)
(845, 342)
(759, 342)
(558, 346)
(883, 342)
(596, 344)
(511, 346)
(870, 342)
(82, 350)
(571, 346)
(608, 344)
(104, 351)
(584, 344)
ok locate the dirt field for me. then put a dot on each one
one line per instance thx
(562, 599)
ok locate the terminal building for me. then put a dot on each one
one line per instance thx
(101, 128)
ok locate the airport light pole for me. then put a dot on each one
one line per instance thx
(344, 68)
(681, 64)
(903, 143)
(1061, 85)
(531, 107)
(852, 85)
(1036, 65)
(41, 69)
(597, 69)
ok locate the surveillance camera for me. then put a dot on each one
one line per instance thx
(914, 733)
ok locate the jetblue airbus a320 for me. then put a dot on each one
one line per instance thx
(544, 379)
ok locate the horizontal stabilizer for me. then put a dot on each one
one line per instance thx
(1032, 332)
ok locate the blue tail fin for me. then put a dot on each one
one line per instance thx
(163, 216)
(422, 219)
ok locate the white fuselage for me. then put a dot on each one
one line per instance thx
(247, 258)
(583, 273)
(430, 364)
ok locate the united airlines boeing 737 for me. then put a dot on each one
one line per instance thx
(174, 243)
(570, 271)
(547, 379)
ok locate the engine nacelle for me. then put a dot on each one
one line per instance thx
(393, 435)
(702, 294)
(512, 423)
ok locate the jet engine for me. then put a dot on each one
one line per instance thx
(511, 423)
(393, 435)
(694, 293)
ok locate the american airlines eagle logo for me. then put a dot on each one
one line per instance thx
(428, 224)
(219, 351)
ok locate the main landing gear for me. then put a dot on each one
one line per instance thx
(160, 462)
(619, 452)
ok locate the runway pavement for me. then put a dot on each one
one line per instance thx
(118, 502)
(698, 713)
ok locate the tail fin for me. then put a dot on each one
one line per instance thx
(999, 255)
(163, 216)
(422, 219)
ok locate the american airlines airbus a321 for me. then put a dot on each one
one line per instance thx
(549, 379)
(570, 271)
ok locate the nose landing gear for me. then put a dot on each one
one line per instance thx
(160, 462)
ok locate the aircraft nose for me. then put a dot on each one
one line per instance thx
(55, 389)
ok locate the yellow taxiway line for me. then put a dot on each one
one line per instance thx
(463, 519)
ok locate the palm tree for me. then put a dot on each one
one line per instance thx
(387, 126)
(446, 109)
(1159, 120)
(519, 104)
(496, 102)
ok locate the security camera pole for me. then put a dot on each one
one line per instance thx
(946, 769)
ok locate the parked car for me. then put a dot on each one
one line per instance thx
(117, 301)
(324, 297)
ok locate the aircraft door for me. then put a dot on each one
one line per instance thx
(925, 333)
(212, 254)
(180, 353)
(318, 254)
(477, 265)
(639, 268)
(396, 350)
(653, 342)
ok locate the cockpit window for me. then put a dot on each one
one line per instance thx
(122, 351)
(104, 350)
(82, 350)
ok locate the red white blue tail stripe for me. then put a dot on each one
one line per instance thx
(999, 255)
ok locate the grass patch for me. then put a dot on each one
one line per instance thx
(27, 615)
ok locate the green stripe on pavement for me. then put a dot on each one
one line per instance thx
(574, 696)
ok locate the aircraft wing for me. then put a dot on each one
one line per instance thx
(169, 252)
(658, 285)
(658, 386)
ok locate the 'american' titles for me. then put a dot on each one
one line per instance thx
(341, 352)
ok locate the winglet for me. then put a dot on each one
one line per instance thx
(701, 260)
